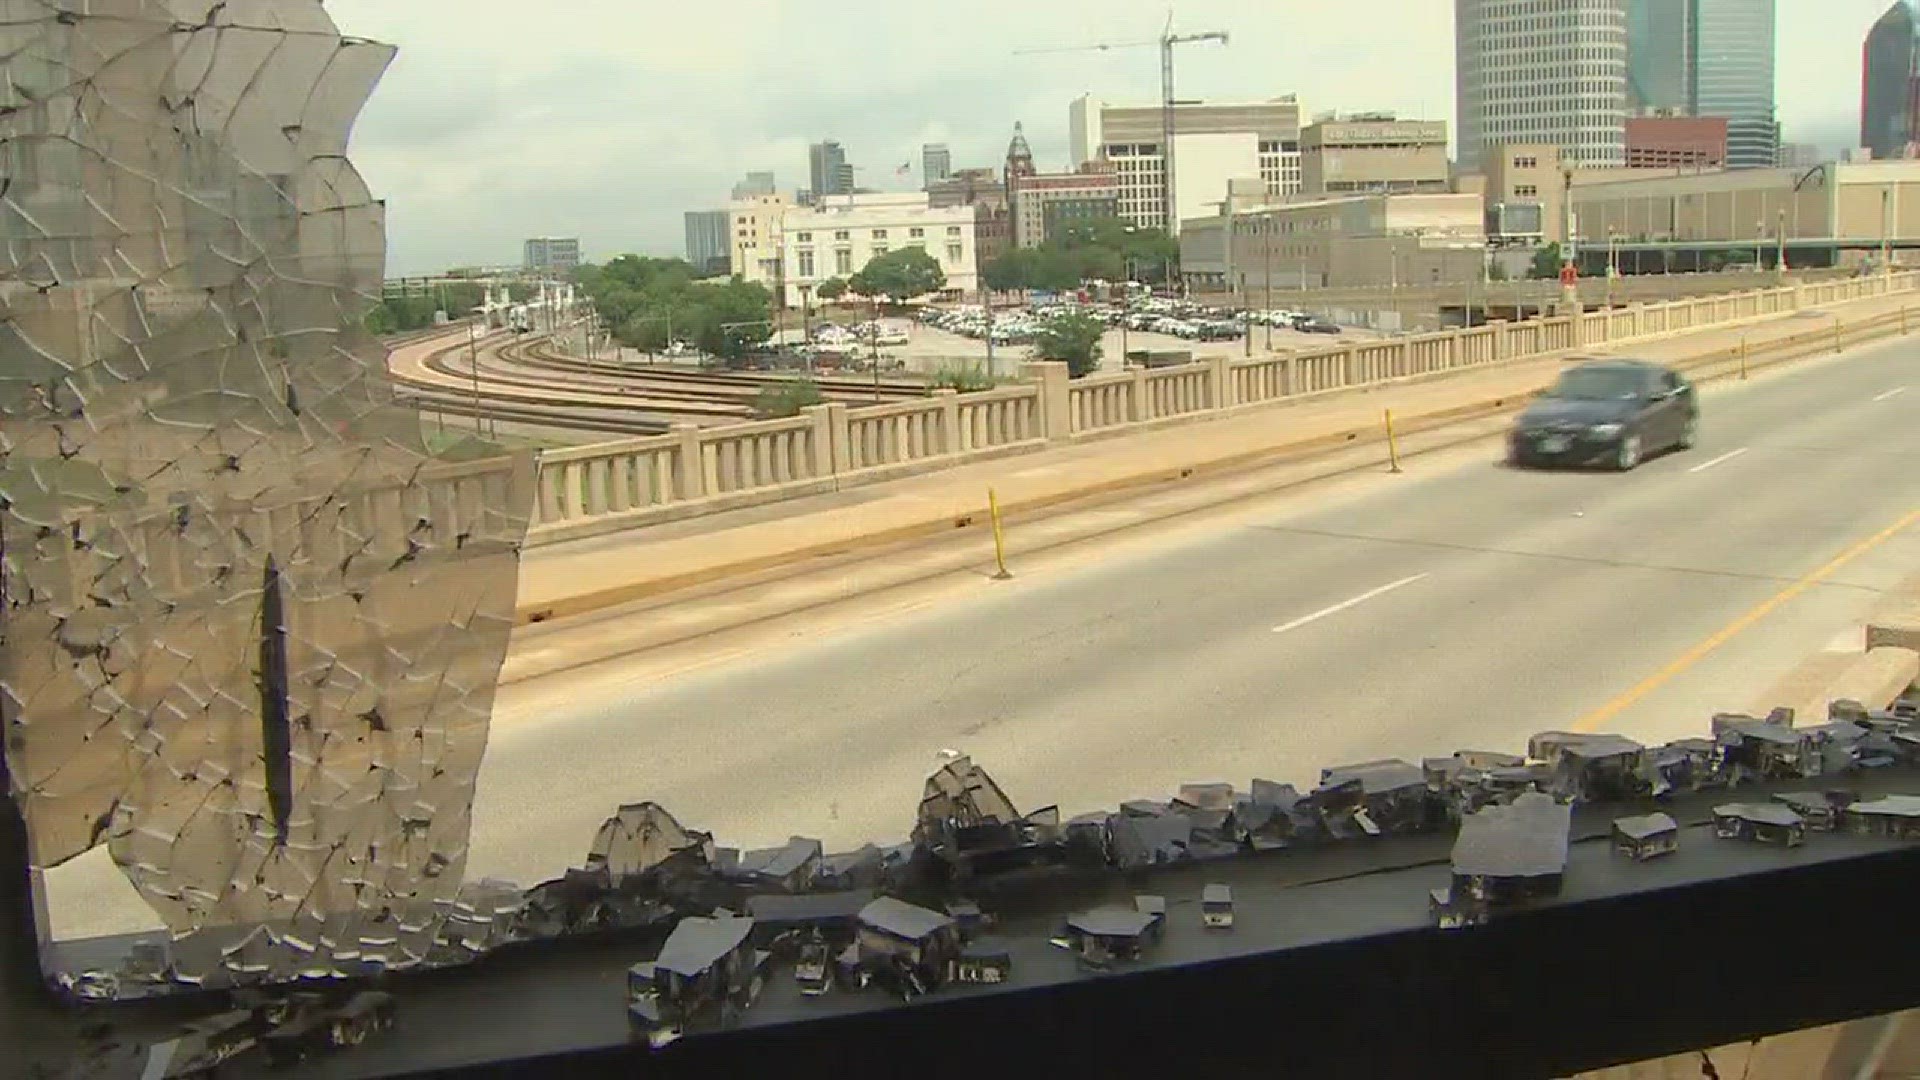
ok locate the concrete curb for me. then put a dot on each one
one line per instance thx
(953, 518)
(1895, 620)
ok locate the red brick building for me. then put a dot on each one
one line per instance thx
(1676, 142)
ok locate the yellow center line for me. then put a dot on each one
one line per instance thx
(1603, 714)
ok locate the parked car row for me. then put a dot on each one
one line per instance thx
(1174, 318)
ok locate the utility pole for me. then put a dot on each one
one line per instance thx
(1266, 279)
(1246, 316)
(473, 366)
(780, 290)
(806, 325)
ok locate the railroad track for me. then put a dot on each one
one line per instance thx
(541, 353)
(572, 420)
(501, 380)
(531, 382)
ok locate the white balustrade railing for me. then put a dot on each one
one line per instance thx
(586, 490)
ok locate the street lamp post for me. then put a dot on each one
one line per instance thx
(1759, 245)
(1126, 305)
(1780, 244)
(1569, 276)
(1886, 230)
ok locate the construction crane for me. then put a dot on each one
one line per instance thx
(1166, 41)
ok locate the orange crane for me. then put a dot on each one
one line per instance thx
(1166, 41)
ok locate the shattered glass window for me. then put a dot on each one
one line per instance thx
(252, 626)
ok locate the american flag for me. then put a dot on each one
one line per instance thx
(905, 168)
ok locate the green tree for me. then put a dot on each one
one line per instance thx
(1546, 262)
(1073, 338)
(899, 275)
(831, 289)
(1111, 249)
(1497, 271)
(638, 296)
(786, 398)
(1009, 271)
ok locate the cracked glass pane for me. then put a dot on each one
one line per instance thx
(252, 626)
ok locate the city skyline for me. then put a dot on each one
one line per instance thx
(480, 138)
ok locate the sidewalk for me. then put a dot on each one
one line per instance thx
(584, 575)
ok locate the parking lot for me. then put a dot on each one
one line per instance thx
(956, 336)
(940, 338)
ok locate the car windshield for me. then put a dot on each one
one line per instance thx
(1597, 384)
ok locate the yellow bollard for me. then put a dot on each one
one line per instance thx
(1836, 335)
(1393, 446)
(1903, 318)
(999, 538)
(1743, 359)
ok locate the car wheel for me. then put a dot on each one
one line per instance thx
(1690, 434)
(1629, 454)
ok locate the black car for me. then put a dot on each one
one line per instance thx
(1607, 412)
(1310, 324)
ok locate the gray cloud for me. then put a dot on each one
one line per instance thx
(609, 118)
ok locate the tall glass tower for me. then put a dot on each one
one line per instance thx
(1732, 47)
(1889, 104)
(1708, 58)
(1659, 33)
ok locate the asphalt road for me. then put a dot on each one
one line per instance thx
(1463, 605)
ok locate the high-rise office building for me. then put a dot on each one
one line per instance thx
(1890, 83)
(936, 163)
(828, 169)
(1213, 142)
(1707, 58)
(1731, 74)
(707, 241)
(552, 254)
(756, 184)
(1658, 54)
(1542, 71)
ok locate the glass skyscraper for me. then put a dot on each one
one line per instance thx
(1732, 47)
(1659, 33)
(1708, 58)
(1890, 61)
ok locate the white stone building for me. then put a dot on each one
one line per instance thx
(842, 233)
(1542, 71)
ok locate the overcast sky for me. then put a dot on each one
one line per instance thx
(606, 119)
